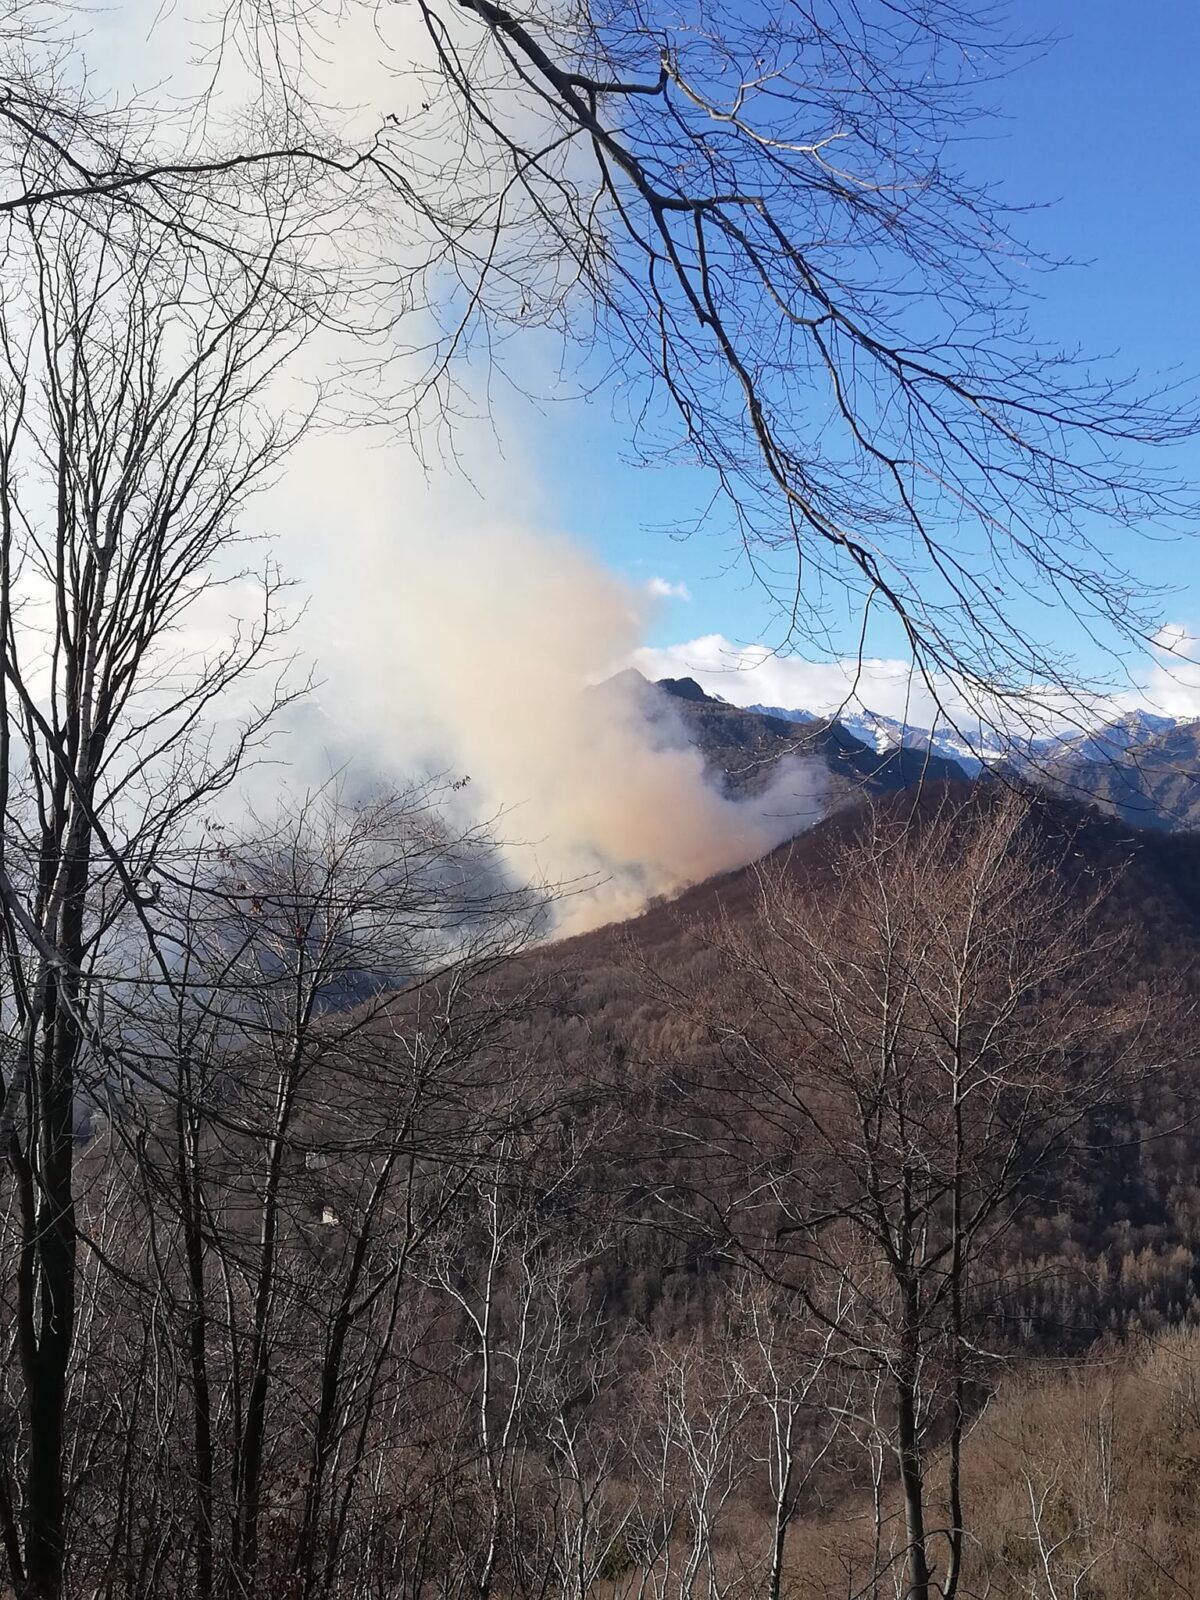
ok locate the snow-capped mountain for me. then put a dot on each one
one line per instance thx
(975, 748)
(971, 748)
(1118, 738)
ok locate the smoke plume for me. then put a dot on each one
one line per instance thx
(448, 637)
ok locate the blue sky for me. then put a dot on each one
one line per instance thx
(1103, 129)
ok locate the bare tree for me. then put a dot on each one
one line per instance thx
(781, 1359)
(332, 1071)
(897, 1056)
(692, 1467)
(73, 147)
(765, 213)
(132, 427)
(293, 1113)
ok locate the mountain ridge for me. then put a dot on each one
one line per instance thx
(743, 747)
(1142, 767)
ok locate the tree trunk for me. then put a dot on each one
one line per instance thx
(912, 1477)
(55, 1243)
(190, 1197)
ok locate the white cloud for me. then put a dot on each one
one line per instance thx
(756, 675)
(664, 589)
(1170, 683)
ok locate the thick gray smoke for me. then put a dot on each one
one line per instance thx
(445, 635)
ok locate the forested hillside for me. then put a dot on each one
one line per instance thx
(727, 1246)
(637, 996)
(1155, 783)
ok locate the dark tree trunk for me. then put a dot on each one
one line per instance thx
(912, 1475)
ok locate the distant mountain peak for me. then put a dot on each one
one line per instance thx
(742, 745)
(1120, 736)
(687, 689)
(628, 678)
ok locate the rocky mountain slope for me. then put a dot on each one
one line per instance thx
(743, 747)
(1151, 781)
(1141, 768)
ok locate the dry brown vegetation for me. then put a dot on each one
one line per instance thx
(715, 1256)
(1083, 1480)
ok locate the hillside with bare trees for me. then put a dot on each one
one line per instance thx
(726, 1248)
